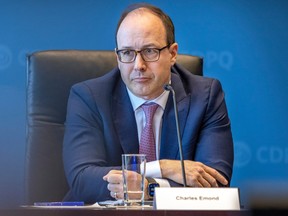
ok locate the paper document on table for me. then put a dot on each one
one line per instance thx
(72, 205)
(108, 204)
(51, 206)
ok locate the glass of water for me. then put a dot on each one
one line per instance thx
(134, 170)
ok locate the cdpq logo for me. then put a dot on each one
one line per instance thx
(5, 57)
(242, 154)
(262, 155)
(272, 155)
(223, 59)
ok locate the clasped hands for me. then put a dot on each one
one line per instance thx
(197, 175)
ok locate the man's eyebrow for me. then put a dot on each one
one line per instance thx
(126, 47)
(150, 45)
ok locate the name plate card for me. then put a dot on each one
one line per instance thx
(176, 198)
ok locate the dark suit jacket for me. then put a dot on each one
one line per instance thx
(101, 125)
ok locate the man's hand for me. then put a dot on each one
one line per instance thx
(115, 183)
(197, 174)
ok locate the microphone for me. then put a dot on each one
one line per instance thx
(168, 87)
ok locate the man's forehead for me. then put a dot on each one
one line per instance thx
(140, 13)
(141, 25)
(141, 18)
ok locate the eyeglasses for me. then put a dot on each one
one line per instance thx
(147, 54)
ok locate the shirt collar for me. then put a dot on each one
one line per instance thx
(137, 102)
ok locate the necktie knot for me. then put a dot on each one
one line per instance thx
(149, 110)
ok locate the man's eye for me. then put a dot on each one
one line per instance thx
(149, 51)
(126, 52)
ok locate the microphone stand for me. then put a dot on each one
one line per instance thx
(168, 87)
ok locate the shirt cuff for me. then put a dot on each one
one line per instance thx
(162, 182)
(153, 170)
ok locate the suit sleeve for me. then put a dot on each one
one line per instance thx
(215, 145)
(84, 153)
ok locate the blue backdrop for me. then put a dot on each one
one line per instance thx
(244, 45)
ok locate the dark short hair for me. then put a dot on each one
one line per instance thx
(168, 24)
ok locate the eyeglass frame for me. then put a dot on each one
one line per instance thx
(139, 51)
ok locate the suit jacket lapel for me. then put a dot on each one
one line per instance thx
(124, 120)
(169, 143)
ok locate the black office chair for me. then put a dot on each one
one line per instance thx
(50, 75)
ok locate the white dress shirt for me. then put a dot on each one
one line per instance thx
(152, 168)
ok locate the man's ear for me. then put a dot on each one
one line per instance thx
(116, 56)
(173, 49)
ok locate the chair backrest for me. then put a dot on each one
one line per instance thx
(50, 75)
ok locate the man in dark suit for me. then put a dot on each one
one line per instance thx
(105, 118)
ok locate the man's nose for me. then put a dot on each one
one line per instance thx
(139, 63)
